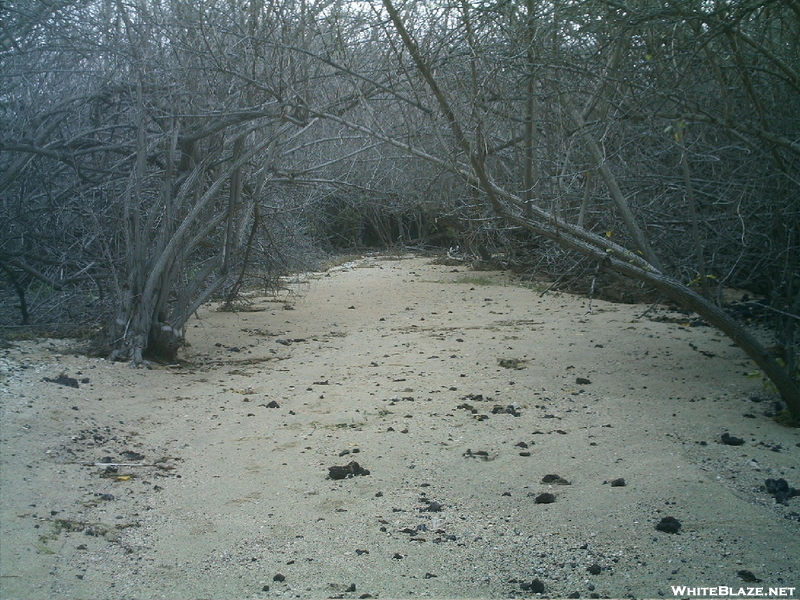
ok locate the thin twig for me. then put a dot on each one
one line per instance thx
(104, 464)
(594, 284)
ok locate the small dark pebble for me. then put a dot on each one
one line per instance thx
(63, 379)
(730, 440)
(669, 525)
(483, 454)
(364, 596)
(574, 595)
(265, 588)
(594, 569)
(525, 453)
(359, 551)
(279, 577)
(349, 470)
(131, 455)
(582, 381)
(505, 410)
(430, 575)
(433, 507)
(748, 576)
(546, 498)
(536, 586)
(397, 556)
(620, 482)
(273, 404)
(553, 478)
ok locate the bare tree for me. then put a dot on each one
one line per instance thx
(475, 168)
(175, 119)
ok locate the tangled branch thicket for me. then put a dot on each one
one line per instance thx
(158, 155)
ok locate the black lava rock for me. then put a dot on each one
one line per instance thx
(780, 490)
(63, 379)
(505, 410)
(349, 470)
(748, 576)
(553, 478)
(546, 498)
(618, 482)
(536, 586)
(131, 455)
(669, 525)
(482, 454)
(730, 440)
(432, 506)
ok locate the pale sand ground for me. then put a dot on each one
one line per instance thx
(241, 493)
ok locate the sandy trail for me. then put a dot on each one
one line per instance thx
(457, 392)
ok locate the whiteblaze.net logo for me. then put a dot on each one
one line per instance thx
(724, 591)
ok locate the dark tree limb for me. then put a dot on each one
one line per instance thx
(12, 277)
